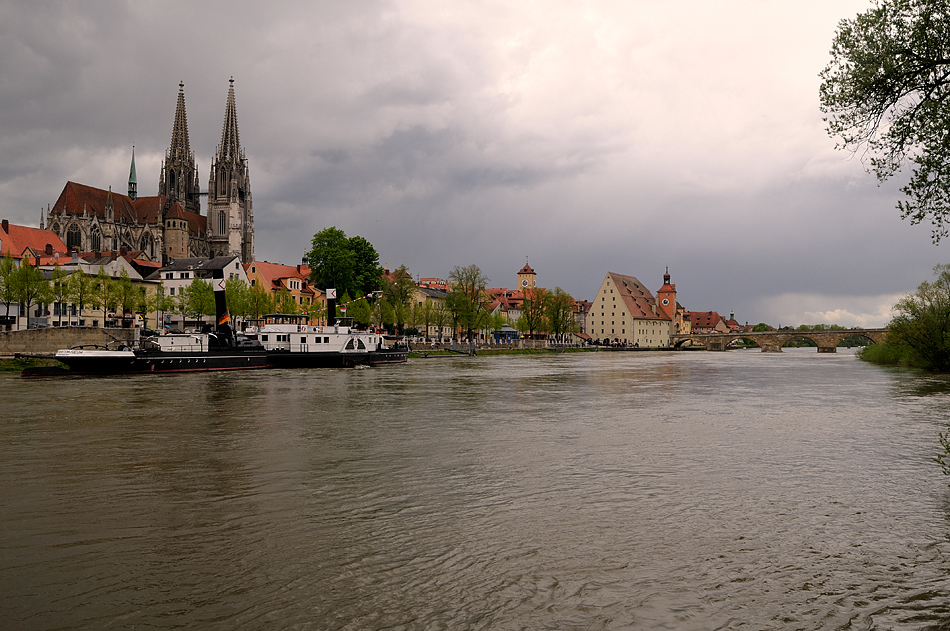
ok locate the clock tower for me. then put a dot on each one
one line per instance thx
(527, 279)
(666, 297)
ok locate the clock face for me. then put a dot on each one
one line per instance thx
(666, 301)
(524, 283)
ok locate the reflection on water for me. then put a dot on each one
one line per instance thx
(603, 491)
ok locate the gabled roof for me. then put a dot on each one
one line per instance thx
(77, 199)
(704, 319)
(17, 239)
(526, 270)
(274, 273)
(636, 297)
(197, 264)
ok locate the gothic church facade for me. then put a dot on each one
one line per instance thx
(170, 225)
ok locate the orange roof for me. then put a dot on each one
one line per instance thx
(637, 298)
(17, 239)
(526, 269)
(704, 319)
(273, 273)
(77, 199)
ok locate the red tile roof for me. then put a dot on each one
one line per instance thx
(77, 199)
(273, 273)
(16, 239)
(704, 319)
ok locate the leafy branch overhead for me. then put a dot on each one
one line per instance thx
(886, 91)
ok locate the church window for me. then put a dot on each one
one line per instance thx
(222, 223)
(147, 245)
(96, 238)
(73, 238)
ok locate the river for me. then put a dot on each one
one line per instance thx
(689, 490)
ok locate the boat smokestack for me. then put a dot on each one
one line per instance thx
(331, 305)
(222, 317)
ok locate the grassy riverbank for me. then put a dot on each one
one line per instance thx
(890, 355)
(10, 364)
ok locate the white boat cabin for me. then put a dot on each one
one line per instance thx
(286, 332)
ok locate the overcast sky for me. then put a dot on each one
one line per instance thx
(621, 136)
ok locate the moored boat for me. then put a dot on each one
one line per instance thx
(217, 349)
(290, 342)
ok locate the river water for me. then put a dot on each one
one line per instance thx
(689, 490)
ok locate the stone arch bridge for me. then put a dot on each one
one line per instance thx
(772, 341)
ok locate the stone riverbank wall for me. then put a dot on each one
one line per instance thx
(48, 341)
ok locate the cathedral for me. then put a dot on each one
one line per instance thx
(170, 225)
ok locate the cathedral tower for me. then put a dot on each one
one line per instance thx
(179, 178)
(230, 211)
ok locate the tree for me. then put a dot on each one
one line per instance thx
(468, 304)
(81, 289)
(922, 324)
(560, 313)
(59, 291)
(127, 295)
(236, 293)
(259, 302)
(286, 302)
(440, 316)
(367, 275)
(397, 293)
(423, 315)
(887, 91)
(349, 264)
(533, 310)
(761, 326)
(197, 299)
(8, 287)
(31, 286)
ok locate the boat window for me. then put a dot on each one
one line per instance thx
(326, 340)
(263, 338)
(303, 340)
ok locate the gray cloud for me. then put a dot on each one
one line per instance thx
(620, 136)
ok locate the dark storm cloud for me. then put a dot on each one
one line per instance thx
(613, 136)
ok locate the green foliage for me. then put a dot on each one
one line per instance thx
(236, 293)
(8, 289)
(886, 91)
(397, 297)
(197, 299)
(31, 287)
(259, 302)
(922, 325)
(59, 290)
(81, 289)
(559, 312)
(467, 301)
(286, 303)
(349, 264)
(760, 327)
(533, 309)
(886, 354)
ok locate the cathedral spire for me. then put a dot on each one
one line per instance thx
(180, 147)
(230, 147)
(179, 178)
(133, 183)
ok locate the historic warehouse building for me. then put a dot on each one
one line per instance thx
(170, 225)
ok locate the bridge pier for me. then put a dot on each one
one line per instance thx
(770, 347)
(827, 349)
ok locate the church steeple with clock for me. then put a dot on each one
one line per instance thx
(527, 279)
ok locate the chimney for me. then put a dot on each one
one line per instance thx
(123, 250)
(6, 226)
